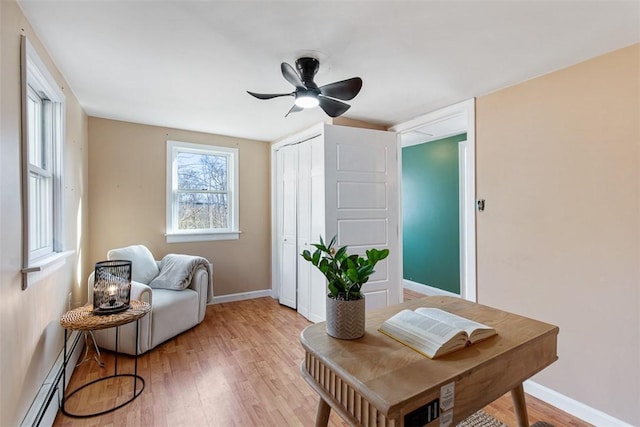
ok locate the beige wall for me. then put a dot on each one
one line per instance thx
(127, 181)
(558, 164)
(345, 121)
(31, 336)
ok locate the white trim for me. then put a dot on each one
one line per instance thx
(42, 264)
(44, 408)
(233, 232)
(426, 289)
(304, 135)
(400, 275)
(275, 274)
(467, 222)
(242, 296)
(35, 75)
(467, 108)
(59, 123)
(202, 237)
(470, 289)
(572, 406)
(39, 76)
(315, 318)
(435, 117)
(44, 267)
(463, 184)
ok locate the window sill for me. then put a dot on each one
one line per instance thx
(202, 237)
(44, 267)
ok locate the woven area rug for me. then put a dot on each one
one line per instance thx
(481, 419)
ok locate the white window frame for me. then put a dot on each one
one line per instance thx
(39, 83)
(232, 232)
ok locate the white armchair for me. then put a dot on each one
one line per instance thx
(172, 311)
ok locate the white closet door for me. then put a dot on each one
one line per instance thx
(304, 225)
(317, 282)
(288, 165)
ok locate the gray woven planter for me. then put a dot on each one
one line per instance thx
(345, 319)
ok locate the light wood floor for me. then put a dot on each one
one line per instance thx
(240, 367)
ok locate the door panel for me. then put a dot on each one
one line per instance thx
(304, 225)
(362, 204)
(317, 283)
(288, 157)
(375, 299)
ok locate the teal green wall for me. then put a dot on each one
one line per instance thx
(431, 213)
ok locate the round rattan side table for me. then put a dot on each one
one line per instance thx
(83, 319)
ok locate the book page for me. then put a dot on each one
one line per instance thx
(475, 331)
(426, 327)
(420, 344)
(424, 334)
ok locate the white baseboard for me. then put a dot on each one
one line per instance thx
(571, 406)
(241, 296)
(45, 405)
(426, 289)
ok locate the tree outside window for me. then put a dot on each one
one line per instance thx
(203, 192)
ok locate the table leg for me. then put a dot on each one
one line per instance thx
(135, 369)
(115, 370)
(322, 417)
(520, 406)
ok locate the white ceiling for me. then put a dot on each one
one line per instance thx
(189, 64)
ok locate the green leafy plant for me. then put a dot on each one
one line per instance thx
(345, 273)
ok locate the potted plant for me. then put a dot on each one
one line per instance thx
(345, 276)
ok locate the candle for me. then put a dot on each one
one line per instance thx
(112, 294)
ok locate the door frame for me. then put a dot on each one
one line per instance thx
(463, 115)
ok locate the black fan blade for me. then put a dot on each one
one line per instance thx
(268, 95)
(291, 76)
(294, 109)
(345, 89)
(332, 107)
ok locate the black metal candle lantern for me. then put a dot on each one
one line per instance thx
(112, 286)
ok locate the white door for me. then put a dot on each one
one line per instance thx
(287, 164)
(317, 282)
(362, 202)
(304, 225)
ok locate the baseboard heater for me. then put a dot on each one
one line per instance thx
(45, 405)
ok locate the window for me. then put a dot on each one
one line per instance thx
(42, 142)
(202, 192)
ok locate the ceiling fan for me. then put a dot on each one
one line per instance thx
(309, 95)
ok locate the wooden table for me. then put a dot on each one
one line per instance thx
(83, 319)
(376, 381)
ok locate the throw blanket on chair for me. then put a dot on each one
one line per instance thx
(176, 272)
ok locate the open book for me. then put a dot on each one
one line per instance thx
(434, 332)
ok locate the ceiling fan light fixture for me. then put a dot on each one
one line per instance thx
(306, 100)
(307, 93)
